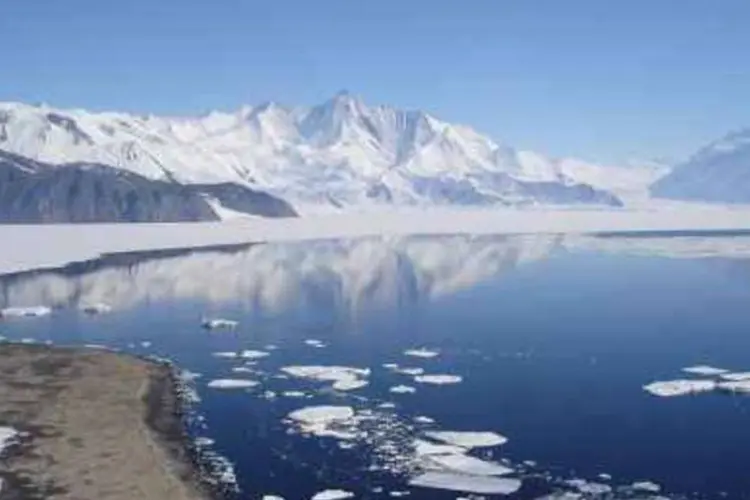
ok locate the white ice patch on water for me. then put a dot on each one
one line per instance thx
(232, 383)
(735, 376)
(441, 379)
(421, 419)
(225, 354)
(272, 497)
(589, 488)
(325, 421)
(294, 394)
(705, 370)
(333, 495)
(483, 485)
(742, 386)
(242, 369)
(344, 378)
(25, 312)
(671, 388)
(424, 448)
(468, 439)
(315, 343)
(145, 344)
(465, 464)
(647, 486)
(402, 389)
(251, 354)
(421, 353)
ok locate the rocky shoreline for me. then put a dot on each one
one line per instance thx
(95, 424)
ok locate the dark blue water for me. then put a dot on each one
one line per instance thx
(554, 343)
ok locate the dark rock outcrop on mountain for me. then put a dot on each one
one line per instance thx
(246, 200)
(35, 192)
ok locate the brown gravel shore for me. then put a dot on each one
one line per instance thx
(96, 425)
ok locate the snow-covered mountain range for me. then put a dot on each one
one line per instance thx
(718, 173)
(341, 153)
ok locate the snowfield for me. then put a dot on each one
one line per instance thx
(40, 246)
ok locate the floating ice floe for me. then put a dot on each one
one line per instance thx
(421, 419)
(398, 494)
(402, 389)
(465, 464)
(25, 312)
(219, 323)
(735, 376)
(483, 485)
(589, 488)
(8, 436)
(251, 354)
(145, 344)
(320, 420)
(315, 343)
(242, 369)
(670, 388)
(232, 383)
(225, 354)
(333, 495)
(705, 370)
(294, 394)
(96, 308)
(468, 439)
(272, 497)
(646, 486)
(203, 442)
(344, 378)
(742, 386)
(438, 379)
(421, 353)
(424, 448)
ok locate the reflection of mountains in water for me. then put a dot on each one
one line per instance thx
(346, 276)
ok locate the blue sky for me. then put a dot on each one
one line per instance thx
(599, 79)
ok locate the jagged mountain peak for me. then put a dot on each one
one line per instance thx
(329, 154)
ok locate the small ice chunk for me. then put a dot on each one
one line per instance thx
(242, 369)
(232, 383)
(605, 477)
(390, 366)
(96, 308)
(705, 370)
(421, 353)
(25, 312)
(225, 354)
(386, 406)
(742, 386)
(272, 497)
(322, 414)
(424, 420)
(736, 376)
(647, 486)
(315, 343)
(483, 485)
(203, 442)
(250, 354)
(468, 439)
(466, 464)
(411, 371)
(333, 495)
(595, 488)
(349, 384)
(438, 379)
(670, 388)
(145, 344)
(402, 389)
(399, 494)
(219, 323)
(294, 394)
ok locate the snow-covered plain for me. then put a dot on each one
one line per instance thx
(27, 247)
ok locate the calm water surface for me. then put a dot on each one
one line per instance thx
(554, 338)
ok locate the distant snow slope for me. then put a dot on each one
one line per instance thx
(336, 154)
(718, 173)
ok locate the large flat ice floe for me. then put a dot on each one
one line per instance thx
(483, 485)
(232, 383)
(734, 376)
(465, 464)
(344, 378)
(325, 421)
(740, 386)
(468, 439)
(671, 388)
(219, 324)
(37, 246)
